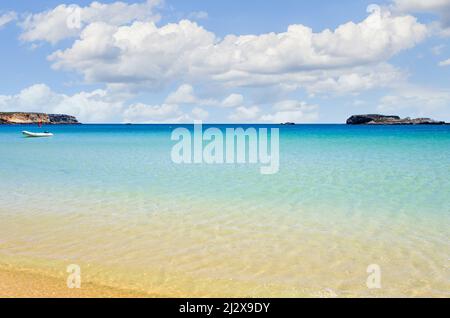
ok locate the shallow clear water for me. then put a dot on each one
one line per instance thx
(109, 198)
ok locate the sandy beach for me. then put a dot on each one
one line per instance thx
(21, 284)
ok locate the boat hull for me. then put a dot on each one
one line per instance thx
(36, 135)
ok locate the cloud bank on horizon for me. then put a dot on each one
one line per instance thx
(143, 69)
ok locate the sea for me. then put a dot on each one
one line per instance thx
(353, 211)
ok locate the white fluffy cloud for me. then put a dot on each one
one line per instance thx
(445, 63)
(199, 113)
(292, 111)
(418, 102)
(66, 21)
(440, 8)
(422, 5)
(245, 114)
(95, 106)
(7, 18)
(142, 113)
(185, 94)
(120, 46)
(349, 57)
(356, 79)
(233, 100)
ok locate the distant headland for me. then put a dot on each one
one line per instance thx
(19, 118)
(375, 119)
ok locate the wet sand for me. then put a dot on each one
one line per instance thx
(20, 284)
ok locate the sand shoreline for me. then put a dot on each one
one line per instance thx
(23, 284)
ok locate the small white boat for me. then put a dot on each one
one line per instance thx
(32, 134)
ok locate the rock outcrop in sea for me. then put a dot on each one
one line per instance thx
(288, 124)
(19, 118)
(375, 119)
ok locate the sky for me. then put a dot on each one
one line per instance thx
(177, 61)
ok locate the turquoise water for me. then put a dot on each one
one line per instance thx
(108, 197)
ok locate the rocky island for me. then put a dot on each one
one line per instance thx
(19, 118)
(288, 124)
(375, 119)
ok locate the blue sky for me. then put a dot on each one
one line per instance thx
(226, 61)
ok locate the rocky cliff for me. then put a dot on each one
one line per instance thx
(17, 118)
(61, 119)
(375, 119)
